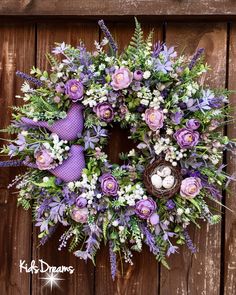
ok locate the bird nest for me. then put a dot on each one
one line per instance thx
(161, 179)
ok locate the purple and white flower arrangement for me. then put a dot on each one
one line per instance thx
(156, 94)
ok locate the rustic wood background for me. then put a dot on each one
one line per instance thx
(212, 271)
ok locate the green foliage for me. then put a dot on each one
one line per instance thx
(136, 234)
(77, 238)
(11, 129)
(52, 60)
(105, 224)
(25, 203)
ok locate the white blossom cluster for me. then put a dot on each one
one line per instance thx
(96, 94)
(88, 185)
(172, 154)
(150, 98)
(130, 194)
(59, 150)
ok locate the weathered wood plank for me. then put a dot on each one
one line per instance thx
(142, 277)
(121, 7)
(230, 218)
(16, 53)
(82, 278)
(199, 274)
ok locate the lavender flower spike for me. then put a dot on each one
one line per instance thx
(33, 80)
(195, 58)
(189, 242)
(108, 35)
(12, 163)
(112, 261)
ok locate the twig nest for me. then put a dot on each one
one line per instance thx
(162, 179)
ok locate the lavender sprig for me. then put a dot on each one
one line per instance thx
(196, 57)
(12, 163)
(158, 47)
(189, 242)
(33, 80)
(108, 35)
(150, 240)
(112, 261)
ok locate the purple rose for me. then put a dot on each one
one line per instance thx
(138, 75)
(44, 159)
(104, 111)
(80, 215)
(109, 184)
(121, 79)
(145, 208)
(74, 89)
(190, 187)
(81, 202)
(186, 138)
(154, 118)
(193, 124)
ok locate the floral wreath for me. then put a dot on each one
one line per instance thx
(167, 179)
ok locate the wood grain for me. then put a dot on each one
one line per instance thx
(199, 274)
(120, 7)
(82, 278)
(17, 51)
(136, 279)
(230, 217)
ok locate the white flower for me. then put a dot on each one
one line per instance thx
(187, 210)
(169, 131)
(180, 211)
(115, 223)
(25, 87)
(71, 186)
(45, 179)
(101, 67)
(146, 74)
(131, 153)
(24, 133)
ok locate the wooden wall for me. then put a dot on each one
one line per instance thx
(212, 271)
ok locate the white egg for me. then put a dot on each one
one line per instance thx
(166, 171)
(168, 182)
(156, 181)
(163, 172)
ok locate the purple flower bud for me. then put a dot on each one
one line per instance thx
(193, 124)
(81, 202)
(170, 204)
(58, 181)
(177, 117)
(56, 99)
(60, 87)
(154, 219)
(138, 75)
